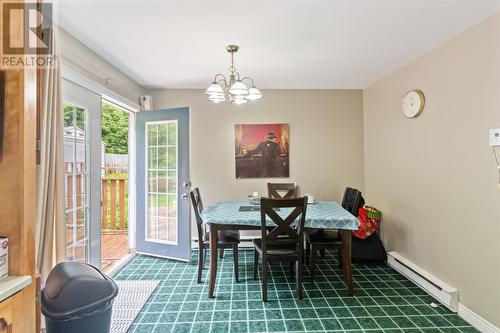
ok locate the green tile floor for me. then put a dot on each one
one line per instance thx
(384, 300)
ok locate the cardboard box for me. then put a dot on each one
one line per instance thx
(4, 257)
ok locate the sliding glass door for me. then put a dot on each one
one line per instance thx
(82, 178)
(76, 181)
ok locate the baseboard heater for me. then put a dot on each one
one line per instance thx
(446, 294)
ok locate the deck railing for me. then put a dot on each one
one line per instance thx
(114, 196)
(114, 212)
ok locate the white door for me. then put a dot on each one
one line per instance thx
(82, 173)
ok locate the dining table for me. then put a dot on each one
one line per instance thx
(244, 215)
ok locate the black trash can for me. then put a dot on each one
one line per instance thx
(78, 298)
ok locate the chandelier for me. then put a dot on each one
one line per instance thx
(234, 90)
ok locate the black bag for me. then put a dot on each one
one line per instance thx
(368, 250)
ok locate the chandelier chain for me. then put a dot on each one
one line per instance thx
(232, 69)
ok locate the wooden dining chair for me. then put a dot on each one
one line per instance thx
(226, 238)
(272, 246)
(320, 239)
(282, 190)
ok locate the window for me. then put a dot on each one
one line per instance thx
(76, 181)
(161, 159)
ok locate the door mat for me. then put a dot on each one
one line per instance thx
(132, 295)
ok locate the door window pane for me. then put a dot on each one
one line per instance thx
(172, 152)
(162, 181)
(153, 158)
(162, 158)
(76, 184)
(161, 147)
(162, 134)
(172, 134)
(153, 135)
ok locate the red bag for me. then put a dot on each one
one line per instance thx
(369, 220)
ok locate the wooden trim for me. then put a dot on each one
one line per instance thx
(3, 88)
(18, 190)
(28, 198)
(38, 116)
(38, 104)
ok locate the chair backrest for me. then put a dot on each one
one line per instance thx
(283, 226)
(352, 200)
(275, 190)
(198, 208)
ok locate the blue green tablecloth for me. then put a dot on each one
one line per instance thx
(323, 214)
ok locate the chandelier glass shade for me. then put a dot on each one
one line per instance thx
(235, 89)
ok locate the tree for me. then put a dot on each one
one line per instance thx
(114, 129)
(74, 116)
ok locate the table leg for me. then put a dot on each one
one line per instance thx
(213, 259)
(346, 243)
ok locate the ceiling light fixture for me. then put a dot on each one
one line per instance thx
(235, 89)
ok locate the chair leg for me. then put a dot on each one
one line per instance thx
(291, 269)
(322, 253)
(299, 278)
(221, 254)
(255, 263)
(235, 258)
(308, 248)
(201, 253)
(204, 257)
(264, 278)
(312, 268)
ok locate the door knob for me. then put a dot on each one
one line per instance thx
(184, 196)
(186, 184)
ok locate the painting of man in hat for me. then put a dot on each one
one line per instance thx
(262, 151)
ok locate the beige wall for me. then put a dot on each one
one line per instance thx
(326, 140)
(434, 177)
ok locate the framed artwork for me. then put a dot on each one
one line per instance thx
(262, 150)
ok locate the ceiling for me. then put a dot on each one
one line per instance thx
(285, 44)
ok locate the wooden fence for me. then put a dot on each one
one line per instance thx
(114, 213)
(115, 163)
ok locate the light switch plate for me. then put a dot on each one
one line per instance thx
(495, 137)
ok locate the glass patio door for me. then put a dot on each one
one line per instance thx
(163, 224)
(82, 178)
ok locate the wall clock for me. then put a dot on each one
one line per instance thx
(413, 103)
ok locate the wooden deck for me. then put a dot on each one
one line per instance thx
(113, 247)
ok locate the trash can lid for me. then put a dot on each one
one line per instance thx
(74, 288)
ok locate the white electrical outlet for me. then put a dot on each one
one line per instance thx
(495, 137)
